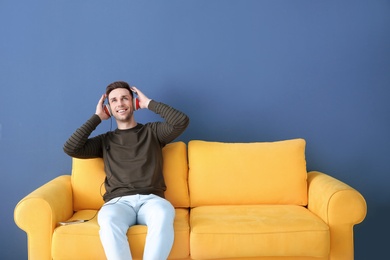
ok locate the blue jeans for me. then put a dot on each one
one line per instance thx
(117, 215)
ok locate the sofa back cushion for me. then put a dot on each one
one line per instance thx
(87, 183)
(247, 173)
(88, 179)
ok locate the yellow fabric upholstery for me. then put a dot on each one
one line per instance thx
(88, 183)
(238, 201)
(247, 173)
(39, 212)
(340, 206)
(260, 230)
(176, 174)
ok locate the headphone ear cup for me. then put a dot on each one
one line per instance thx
(107, 109)
(135, 103)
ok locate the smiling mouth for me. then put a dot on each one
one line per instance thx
(121, 111)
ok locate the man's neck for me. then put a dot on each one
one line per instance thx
(126, 125)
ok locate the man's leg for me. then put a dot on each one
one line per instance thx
(158, 214)
(115, 218)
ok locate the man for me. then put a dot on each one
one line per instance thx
(133, 164)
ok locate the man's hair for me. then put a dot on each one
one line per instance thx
(118, 84)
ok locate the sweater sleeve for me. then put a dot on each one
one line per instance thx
(79, 145)
(174, 125)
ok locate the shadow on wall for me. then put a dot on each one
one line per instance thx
(369, 242)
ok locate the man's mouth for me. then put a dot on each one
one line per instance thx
(120, 111)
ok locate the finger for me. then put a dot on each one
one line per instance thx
(134, 89)
(101, 100)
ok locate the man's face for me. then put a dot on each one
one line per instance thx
(121, 104)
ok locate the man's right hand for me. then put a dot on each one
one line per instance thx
(100, 110)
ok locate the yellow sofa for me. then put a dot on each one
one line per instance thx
(232, 200)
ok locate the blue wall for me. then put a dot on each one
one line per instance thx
(242, 70)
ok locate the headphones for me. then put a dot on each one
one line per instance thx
(107, 108)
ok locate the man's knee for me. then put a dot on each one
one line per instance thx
(163, 214)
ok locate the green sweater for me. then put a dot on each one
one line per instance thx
(132, 157)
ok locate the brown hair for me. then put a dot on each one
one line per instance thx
(118, 84)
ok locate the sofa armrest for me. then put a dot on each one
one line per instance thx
(39, 212)
(338, 205)
(334, 201)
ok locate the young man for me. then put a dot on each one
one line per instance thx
(133, 164)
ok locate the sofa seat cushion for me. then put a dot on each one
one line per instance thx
(259, 230)
(81, 241)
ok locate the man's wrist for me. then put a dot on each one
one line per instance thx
(96, 119)
(152, 105)
(148, 103)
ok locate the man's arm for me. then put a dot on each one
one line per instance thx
(175, 122)
(80, 146)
